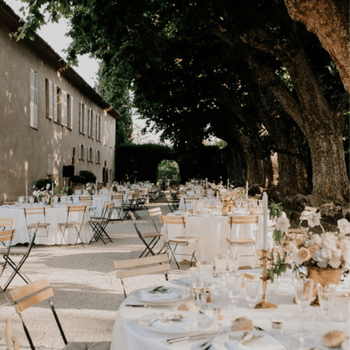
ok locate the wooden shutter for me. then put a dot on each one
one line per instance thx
(86, 111)
(55, 116)
(71, 112)
(80, 117)
(50, 100)
(33, 99)
(64, 107)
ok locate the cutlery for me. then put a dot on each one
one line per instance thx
(136, 305)
(191, 337)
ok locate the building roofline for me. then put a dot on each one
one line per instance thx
(13, 21)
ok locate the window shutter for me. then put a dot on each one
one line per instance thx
(92, 155)
(33, 99)
(64, 108)
(50, 100)
(93, 117)
(80, 117)
(79, 151)
(55, 117)
(71, 112)
(86, 111)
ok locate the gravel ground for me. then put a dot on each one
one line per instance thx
(87, 291)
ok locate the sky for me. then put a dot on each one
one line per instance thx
(54, 35)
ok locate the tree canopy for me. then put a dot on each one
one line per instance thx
(243, 71)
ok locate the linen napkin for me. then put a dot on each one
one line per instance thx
(264, 342)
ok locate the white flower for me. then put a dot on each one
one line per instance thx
(334, 262)
(345, 244)
(344, 226)
(314, 219)
(35, 193)
(326, 253)
(320, 259)
(329, 240)
(282, 224)
(346, 257)
(337, 253)
(316, 239)
(47, 186)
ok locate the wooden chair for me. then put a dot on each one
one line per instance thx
(173, 204)
(12, 343)
(153, 238)
(6, 223)
(87, 200)
(143, 266)
(236, 241)
(35, 293)
(77, 225)
(5, 247)
(172, 243)
(16, 257)
(117, 199)
(189, 202)
(40, 213)
(99, 224)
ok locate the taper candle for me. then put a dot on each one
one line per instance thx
(265, 221)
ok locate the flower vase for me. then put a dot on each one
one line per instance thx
(323, 276)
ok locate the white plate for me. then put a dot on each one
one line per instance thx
(174, 294)
(187, 324)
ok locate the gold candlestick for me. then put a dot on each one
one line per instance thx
(264, 304)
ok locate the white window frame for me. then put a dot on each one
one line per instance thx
(48, 98)
(55, 114)
(34, 84)
(81, 152)
(70, 101)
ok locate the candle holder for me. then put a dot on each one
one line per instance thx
(264, 304)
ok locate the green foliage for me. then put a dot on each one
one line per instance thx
(88, 176)
(275, 210)
(77, 179)
(278, 266)
(170, 169)
(42, 183)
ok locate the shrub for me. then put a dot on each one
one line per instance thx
(41, 184)
(88, 175)
(78, 179)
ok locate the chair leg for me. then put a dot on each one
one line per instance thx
(16, 270)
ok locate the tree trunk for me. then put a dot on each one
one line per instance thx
(235, 164)
(329, 21)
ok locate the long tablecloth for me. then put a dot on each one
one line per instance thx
(128, 334)
(53, 216)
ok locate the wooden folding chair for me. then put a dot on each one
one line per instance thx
(35, 293)
(154, 238)
(236, 241)
(87, 200)
(77, 225)
(130, 206)
(40, 213)
(172, 243)
(99, 224)
(5, 247)
(189, 202)
(173, 204)
(12, 343)
(6, 223)
(143, 266)
(118, 206)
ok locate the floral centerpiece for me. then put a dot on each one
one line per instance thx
(43, 194)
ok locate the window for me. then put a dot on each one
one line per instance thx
(70, 112)
(33, 99)
(82, 118)
(59, 106)
(54, 97)
(98, 160)
(105, 133)
(98, 128)
(49, 100)
(90, 156)
(90, 123)
(81, 152)
(93, 117)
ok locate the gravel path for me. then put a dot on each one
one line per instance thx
(87, 291)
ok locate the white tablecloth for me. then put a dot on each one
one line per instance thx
(129, 335)
(214, 230)
(53, 216)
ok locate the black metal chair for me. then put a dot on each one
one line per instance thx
(99, 224)
(37, 292)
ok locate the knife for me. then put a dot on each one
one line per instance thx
(192, 337)
(136, 305)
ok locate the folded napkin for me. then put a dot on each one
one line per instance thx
(264, 342)
(184, 325)
(145, 295)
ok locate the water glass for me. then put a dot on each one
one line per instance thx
(233, 260)
(238, 205)
(326, 295)
(198, 279)
(252, 287)
(220, 261)
(31, 199)
(21, 199)
(234, 287)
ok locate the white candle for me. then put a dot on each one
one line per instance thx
(246, 186)
(265, 221)
(52, 190)
(26, 191)
(228, 182)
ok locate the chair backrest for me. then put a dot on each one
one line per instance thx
(30, 295)
(242, 220)
(87, 200)
(34, 211)
(142, 266)
(173, 220)
(12, 343)
(6, 237)
(107, 209)
(155, 212)
(6, 223)
(117, 199)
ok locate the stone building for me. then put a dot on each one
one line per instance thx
(50, 117)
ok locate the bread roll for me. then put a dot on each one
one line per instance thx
(188, 306)
(242, 324)
(333, 339)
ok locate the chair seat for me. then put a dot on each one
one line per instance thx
(240, 240)
(151, 235)
(184, 239)
(98, 219)
(105, 345)
(69, 224)
(18, 251)
(40, 225)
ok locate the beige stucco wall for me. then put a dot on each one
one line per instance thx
(24, 151)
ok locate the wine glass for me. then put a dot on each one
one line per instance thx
(220, 261)
(197, 278)
(233, 260)
(238, 204)
(326, 294)
(234, 287)
(303, 295)
(219, 206)
(252, 287)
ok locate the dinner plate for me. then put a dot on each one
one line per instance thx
(153, 295)
(176, 322)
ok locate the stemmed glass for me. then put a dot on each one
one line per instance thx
(197, 278)
(233, 260)
(238, 205)
(234, 287)
(220, 261)
(326, 294)
(303, 296)
(252, 287)
(219, 206)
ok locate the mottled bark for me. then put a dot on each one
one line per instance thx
(329, 20)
